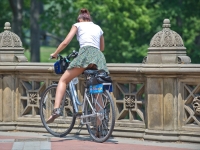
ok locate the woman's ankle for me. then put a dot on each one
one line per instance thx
(56, 111)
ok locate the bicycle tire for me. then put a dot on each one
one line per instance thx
(108, 122)
(64, 123)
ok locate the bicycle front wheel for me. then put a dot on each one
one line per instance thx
(64, 123)
(100, 127)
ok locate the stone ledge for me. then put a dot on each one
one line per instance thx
(141, 133)
(113, 68)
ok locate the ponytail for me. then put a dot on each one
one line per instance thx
(84, 14)
(84, 11)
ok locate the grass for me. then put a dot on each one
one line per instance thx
(45, 52)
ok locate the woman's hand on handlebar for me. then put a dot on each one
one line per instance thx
(53, 56)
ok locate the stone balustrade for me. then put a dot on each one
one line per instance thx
(154, 100)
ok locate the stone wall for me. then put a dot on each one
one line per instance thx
(152, 101)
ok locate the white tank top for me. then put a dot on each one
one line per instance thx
(88, 34)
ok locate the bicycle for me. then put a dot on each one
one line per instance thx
(96, 110)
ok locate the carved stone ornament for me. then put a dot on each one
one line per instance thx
(11, 49)
(33, 98)
(166, 37)
(8, 38)
(129, 101)
(196, 105)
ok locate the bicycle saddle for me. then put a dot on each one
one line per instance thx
(94, 72)
(90, 72)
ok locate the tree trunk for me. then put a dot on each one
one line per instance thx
(16, 6)
(35, 30)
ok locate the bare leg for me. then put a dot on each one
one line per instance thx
(64, 80)
(100, 102)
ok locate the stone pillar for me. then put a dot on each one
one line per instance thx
(162, 103)
(1, 99)
(166, 47)
(11, 52)
(8, 93)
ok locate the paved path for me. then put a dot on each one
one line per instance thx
(44, 141)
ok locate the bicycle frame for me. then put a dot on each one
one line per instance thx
(77, 103)
(74, 96)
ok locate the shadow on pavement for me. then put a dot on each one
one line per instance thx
(76, 137)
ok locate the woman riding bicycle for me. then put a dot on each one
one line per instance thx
(90, 56)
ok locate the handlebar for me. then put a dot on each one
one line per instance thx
(73, 54)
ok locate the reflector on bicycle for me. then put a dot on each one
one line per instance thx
(96, 88)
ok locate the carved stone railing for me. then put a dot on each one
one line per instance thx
(152, 101)
(155, 100)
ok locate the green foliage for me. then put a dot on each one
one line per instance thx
(124, 24)
(128, 25)
(58, 18)
(5, 13)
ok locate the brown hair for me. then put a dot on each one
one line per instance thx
(84, 14)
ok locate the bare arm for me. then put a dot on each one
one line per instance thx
(102, 43)
(66, 41)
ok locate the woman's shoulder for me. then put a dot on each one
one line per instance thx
(77, 24)
(87, 24)
(96, 25)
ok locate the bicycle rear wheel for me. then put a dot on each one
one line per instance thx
(64, 123)
(100, 132)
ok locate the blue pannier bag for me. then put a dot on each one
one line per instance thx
(57, 67)
(60, 66)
